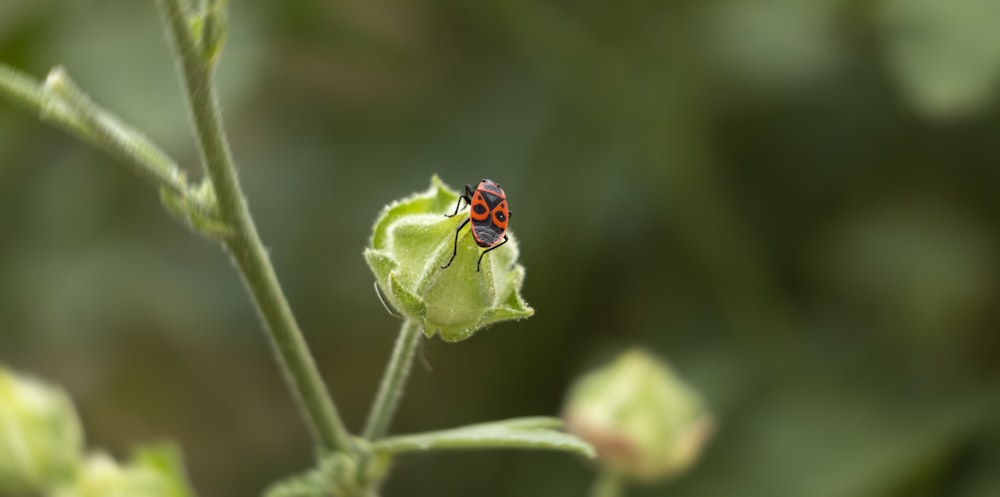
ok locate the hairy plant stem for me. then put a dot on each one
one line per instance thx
(393, 381)
(244, 244)
(61, 103)
(608, 484)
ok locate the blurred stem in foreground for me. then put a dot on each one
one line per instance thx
(197, 67)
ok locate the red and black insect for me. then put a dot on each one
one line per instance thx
(488, 213)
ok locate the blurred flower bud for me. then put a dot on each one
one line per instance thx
(644, 422)
(101, 476)
(40, 435)
(412, 238)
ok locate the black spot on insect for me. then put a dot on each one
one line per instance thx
(489, 221)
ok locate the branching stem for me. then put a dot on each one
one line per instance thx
(62, 104)
(244, 244)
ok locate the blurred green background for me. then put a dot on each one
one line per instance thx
(792, 200)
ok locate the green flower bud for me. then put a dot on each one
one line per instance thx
(101, 476)
(644, 422)
(40, 436)
(413, 238)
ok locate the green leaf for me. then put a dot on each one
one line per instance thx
(437, 198)
(381, 264)
(540, 433)
(411, 304)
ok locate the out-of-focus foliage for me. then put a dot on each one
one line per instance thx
(41, 441)
(155, 471)
(793, 201)
(946, 54)
(644, 422)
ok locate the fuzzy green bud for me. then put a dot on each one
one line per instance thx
(102, 476)
(413, 238)
(41, 440)
(644, 422)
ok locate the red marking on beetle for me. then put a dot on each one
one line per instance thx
(489, 215)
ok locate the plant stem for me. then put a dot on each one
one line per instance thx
(62, 103)
(245, 245)
(531, 433)
(393, 380)
(608, 484)
(127, 143)
(24, 90)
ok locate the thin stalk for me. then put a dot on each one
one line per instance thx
(244, 244)
(26, 91)
(61, 103)
(130, 145)
(393, 381)
(608, 484)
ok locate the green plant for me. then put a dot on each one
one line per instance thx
(455, 303)
(645, 423)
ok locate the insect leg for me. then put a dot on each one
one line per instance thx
(468, 200)
(454, 250)
(487, 250)
(457, 205)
